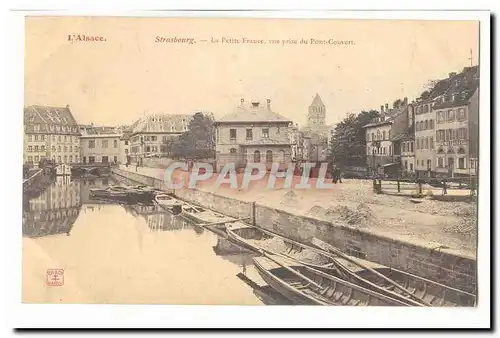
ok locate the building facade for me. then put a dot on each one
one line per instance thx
(50, 133)
(150, 134)
(100, 148)
(253, 133)
(425, 132)
(383, 140)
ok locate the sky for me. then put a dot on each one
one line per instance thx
(119, 80)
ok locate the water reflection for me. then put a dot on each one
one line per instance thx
(157, 218)
(55, 209)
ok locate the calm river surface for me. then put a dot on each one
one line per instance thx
(114, 253)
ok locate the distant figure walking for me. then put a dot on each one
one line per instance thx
(136, 165)
(335, 174)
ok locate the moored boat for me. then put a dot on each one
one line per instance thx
(169, 203)
(408, 288)
(203, 215)
(304, 285)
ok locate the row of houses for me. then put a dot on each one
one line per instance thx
(435, 135)
(52, 133)
(252, 132)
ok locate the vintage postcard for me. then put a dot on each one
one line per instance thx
(252, 161)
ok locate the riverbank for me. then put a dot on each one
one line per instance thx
(388, 230)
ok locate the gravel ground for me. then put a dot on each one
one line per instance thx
(354, 204)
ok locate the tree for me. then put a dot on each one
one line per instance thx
(199, 141)
(348, 143)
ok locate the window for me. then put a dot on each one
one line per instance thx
(265, 132)
(43, 137)
(256, 156)
(65, 158)
(91, 159)
(148, 149)
(249, 134)
(431, 124)
(59, 148)
(70, 158)
(426, 143)
(153, 138)
(282, 156)
(30, 158)
(411, 166)
(440, 162)
(54, 148)
(115, 143)
(59, 139)
(431, 142)
(383, 133)
(30, 149)
(406, 165)
(36, 149)
(126, 143)
(451, 115)
(429, 164)
(411, 146)
(232, 151)
(65, 149)
(389, 135)
(373, 136)
(461, 163)
(232, 134)
(104, 144)
(37, 158)
(91, 144)
(126, 151)
(115, 159)
(42, 148)
(29, 137)
(65, 138)
(154, 149)
(426, 125)
(440, 117)
(461, 114)
(36, 137)
(269, 156)
(418, 143)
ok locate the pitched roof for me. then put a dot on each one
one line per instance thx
(162, 123)
(253, 112)
(468, 79)
(49, 115)
(317, 101)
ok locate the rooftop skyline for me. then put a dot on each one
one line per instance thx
(117, 81)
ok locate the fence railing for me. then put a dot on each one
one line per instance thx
(418, 185)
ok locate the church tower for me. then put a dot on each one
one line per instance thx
(316, 116)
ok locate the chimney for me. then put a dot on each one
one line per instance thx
(405, 102)
(242, 100)
(452, 74)
(268, 103)
(381, 108)
(255, 104)
(386, 107)
(67, 106)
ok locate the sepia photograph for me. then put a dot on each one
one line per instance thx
(252, 161)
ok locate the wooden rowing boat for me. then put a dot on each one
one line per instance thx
(431, 292)
(257, 240)
(304, 285)
(410, 289)
(199, 215)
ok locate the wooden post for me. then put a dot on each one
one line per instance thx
(444, 187)
(254, 222)
(399, 188)
(420, 187)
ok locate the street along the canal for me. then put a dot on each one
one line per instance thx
(123, 254)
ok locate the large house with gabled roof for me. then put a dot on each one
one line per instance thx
(253, 133)
(149, 134)
(50, 133)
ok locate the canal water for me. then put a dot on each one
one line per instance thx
(123, 254)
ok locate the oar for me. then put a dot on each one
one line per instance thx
(291, 270)
(363, 266)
